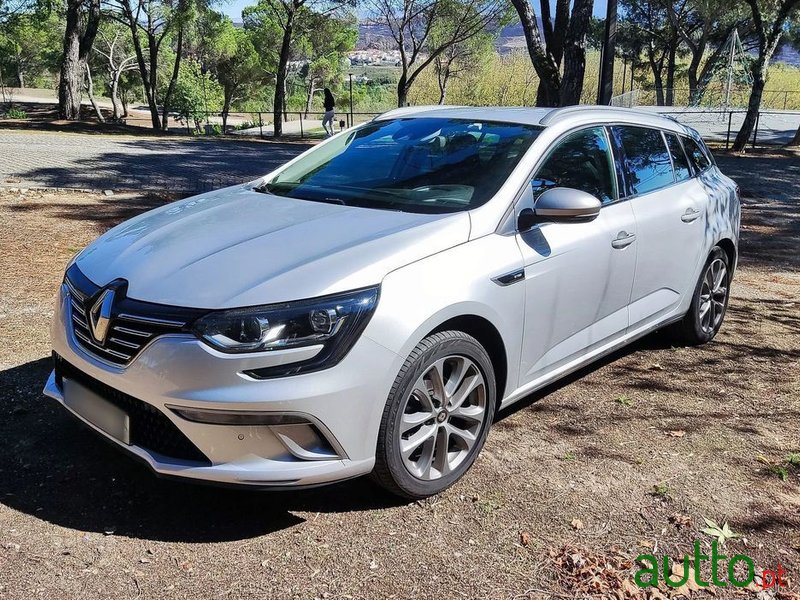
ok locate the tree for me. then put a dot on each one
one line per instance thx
(770, 17)
(116, 49)
(411, 22)
(575, 52)
(323, 46)
(229, 54)
(30, 44)
(151, 24)
(82, 22)
(703, 24)
(196, 92)
(651, 27)
(271, 19)
(564, 39)
(458, 57)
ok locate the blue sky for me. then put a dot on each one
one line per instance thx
(234, 7)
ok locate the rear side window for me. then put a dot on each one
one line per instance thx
(679, 161)
(582, 161)
(647, 161)
(697, 155)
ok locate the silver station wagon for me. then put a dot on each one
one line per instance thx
(368, 307)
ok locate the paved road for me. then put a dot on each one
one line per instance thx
(30, 159)
(774, 126)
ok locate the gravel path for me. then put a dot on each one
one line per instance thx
(35, 159)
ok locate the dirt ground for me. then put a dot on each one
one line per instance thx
(629, 456)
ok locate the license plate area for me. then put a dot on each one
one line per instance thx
(98, 411)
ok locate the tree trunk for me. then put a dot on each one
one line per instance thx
(226, 106)
(444, 75)
(115, 94)
(796, 139)
(606, 83)
(694, 66)
(546, 69)
(76, 48)
(402, 89)
(310, 95)
(173, 80)
(673, 50)
(753, 106)
(152, 82)
(575, 53)
(71, 79)
(280, 76)
(657, 66)
(20, 74)
(147, 76)
(90, 93)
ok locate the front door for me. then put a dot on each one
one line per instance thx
(578, 276)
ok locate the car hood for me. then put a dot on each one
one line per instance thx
(237, 247)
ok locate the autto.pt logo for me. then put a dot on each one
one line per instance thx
(724, 571)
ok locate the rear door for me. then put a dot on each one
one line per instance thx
(669, 205)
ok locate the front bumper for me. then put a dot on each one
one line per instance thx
(341, 406)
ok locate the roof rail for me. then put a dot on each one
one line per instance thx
(568, 110)
(411, 110)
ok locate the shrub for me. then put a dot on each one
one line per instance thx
(16, 113)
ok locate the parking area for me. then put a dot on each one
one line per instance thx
(628, 456)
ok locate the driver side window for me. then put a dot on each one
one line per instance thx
(581, 161)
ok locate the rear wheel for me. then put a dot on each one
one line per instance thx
(709, 303)
(437, 416)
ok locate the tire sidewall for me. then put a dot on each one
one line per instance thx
(462, 345)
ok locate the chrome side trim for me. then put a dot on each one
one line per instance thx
(509, 278)
(151, 320)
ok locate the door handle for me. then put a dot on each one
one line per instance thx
(623, 240)
(690, 215)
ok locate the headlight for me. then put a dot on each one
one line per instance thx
(334, 322)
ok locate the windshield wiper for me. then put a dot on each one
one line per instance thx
(285, 188)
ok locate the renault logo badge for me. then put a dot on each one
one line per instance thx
(100, 315)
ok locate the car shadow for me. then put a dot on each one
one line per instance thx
(53, 468)
(653, 341)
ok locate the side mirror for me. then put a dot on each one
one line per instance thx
(565, 205)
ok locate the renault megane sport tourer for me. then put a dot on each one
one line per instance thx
(368, 307)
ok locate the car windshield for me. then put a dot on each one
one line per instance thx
(424, 165)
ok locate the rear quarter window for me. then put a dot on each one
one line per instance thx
(698, 154)
(679, 160)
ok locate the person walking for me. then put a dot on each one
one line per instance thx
(329, 102)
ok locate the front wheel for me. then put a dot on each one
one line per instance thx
(709, 302)
(437, 416)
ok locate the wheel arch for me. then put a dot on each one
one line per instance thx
(730, 249)
(489, 337)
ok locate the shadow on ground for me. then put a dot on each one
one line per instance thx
(53, 468)
(165, 165)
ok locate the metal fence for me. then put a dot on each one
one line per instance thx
(300, 124)
(772, 126)
(715, 96)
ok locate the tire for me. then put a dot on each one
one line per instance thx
(701, 324)
(459, 414)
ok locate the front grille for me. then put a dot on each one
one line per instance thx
(149, 427)
(133, 323)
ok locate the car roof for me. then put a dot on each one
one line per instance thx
(565, 117)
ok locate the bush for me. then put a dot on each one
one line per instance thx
(16, 113)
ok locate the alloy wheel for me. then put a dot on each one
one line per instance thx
(713, 294)
(442, 417)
